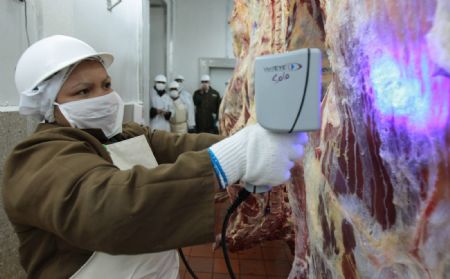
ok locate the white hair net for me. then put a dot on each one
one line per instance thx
(38, 102)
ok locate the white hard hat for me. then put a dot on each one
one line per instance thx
(205, 78)
(175, 85)
(161, 78)
(50, 55)
(179, 77)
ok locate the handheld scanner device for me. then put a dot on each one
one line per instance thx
(288, 90)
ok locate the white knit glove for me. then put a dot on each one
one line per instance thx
(256, 156)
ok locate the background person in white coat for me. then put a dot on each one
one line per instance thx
(186, 97)
(178, 121)
(161, 105)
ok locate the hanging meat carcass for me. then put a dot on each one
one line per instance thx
(370, 199)
(261, 28)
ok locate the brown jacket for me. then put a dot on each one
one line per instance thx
(66, 199)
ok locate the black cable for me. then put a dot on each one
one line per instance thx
(26, 22)
(242, 196)
(188, 267)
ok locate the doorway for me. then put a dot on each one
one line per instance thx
(220, 70)
(158, 38)
(220, 77)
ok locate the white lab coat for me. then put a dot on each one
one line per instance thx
(178, 121)
(165, 103)
(186, 97)
(125, 155)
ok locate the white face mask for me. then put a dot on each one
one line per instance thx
(104, 112)
(174, 94)
(160, 86)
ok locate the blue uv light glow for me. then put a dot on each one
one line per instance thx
(399, 93)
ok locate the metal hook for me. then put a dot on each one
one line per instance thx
(111, 6)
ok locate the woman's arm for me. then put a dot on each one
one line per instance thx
(168, 146)
(63, 186)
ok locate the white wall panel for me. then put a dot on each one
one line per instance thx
(117, 31)
(158, 39)
(13, 43)
(200, 30)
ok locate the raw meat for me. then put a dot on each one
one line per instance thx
(371, 197)
(262, 27)
(265, 27)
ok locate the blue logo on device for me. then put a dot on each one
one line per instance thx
(295, 67)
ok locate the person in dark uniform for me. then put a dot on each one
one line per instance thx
(207, 102)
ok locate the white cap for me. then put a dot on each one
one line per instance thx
(50, 55)
(161, 78)
(174, 85)
(205, 78)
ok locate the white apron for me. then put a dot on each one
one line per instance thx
(162, 265)
(165, 103)
(178, 121)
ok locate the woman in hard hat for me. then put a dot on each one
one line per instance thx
(178, 121)
(186, 97)
(84, 192)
